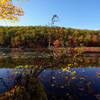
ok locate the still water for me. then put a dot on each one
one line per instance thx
(59, 85)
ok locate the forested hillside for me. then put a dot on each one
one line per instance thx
(39, 36)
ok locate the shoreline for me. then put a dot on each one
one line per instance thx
(84, 49)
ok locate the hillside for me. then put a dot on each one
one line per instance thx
(40, 36)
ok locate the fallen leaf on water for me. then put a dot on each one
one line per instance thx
(82, 79)
(98, 95)
(61, 86)
(73, 78)
(88, 84)
(66, 77)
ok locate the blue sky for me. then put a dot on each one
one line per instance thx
(80, 14)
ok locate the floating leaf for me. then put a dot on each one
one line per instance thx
(88, 84)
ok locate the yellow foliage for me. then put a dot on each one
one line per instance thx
(75, 64)
(74, 72)
(10, 12)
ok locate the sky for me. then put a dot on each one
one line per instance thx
(79, 14)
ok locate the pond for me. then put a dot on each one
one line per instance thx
(59, 85)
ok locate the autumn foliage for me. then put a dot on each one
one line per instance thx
(37, 37)
(9, 11)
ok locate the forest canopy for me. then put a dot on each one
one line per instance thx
(37, 36)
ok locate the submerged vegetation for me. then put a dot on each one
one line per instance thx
(32, 89)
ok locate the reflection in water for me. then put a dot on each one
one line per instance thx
(58, 85)
(86, 84)
(13, 57)
(6, 79)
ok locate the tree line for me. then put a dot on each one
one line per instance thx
(39, 36)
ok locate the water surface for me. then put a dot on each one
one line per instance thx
(85, 84)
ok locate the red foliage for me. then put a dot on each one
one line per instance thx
(31, 45)
(62, 28)
(56, 43)
(94, 39)
(74, 42)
